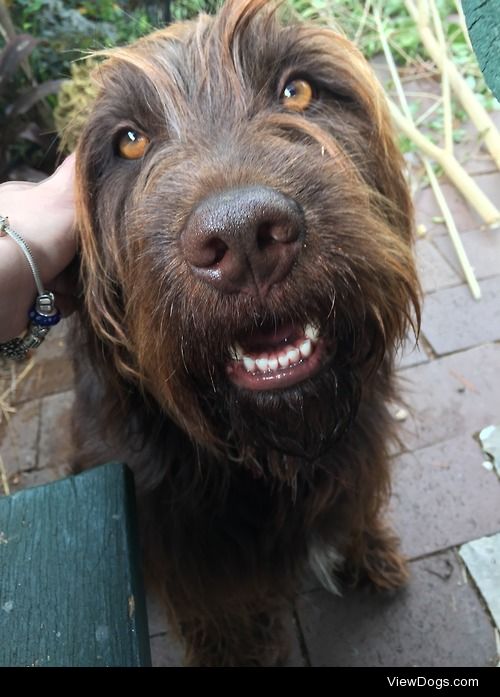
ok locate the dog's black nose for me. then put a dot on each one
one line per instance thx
(244, 240)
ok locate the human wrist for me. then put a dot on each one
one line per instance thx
(43, 214)
(35, 250)
(17, 288)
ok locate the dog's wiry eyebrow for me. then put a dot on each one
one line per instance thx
(152, 59)
(218, 43)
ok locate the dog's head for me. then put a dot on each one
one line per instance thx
(245, 227)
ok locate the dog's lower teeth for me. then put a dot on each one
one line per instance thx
(305, 348)
(283, 361)
(290, 357)
(249, 364)
(273, 363)
(262, 364)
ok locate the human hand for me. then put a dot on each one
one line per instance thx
(43, 214)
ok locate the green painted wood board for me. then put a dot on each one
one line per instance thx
(71, 591)
(483, 24)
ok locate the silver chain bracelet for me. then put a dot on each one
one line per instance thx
(43, 315)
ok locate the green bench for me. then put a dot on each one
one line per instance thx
(71, 591)
(483, 24)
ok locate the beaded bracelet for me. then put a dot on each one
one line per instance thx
(43, 315)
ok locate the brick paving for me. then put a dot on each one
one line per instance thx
(437, 621)
(443, 496)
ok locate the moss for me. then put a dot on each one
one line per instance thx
(74, 102)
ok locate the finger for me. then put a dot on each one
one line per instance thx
(65, 169)
(62, 180)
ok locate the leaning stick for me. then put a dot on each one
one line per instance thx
(453, 232)
(452, 168)
(463, 23)
(445, 80)
(3, 478)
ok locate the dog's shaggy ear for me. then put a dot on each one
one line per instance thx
(100, 263)
(105, 316)
(391, 181)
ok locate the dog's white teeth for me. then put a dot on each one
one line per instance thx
(262, 364)
(312, 333)
(249, 364)
(283, 360)
(305, 348)
(287, 357)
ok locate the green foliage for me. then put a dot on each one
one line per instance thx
(74, 102)
(69, 28)
(185, 9)
(19, 130)
(349, 15)
(65, 29)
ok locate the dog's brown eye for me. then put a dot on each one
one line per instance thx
(297, 95)
(131, 144)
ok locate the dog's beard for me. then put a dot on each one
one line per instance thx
(301, 422)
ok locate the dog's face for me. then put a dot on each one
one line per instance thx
(246, 232)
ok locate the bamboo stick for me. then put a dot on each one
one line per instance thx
(453, 232)
(3, 478)
(445, 81)
(362, 23)
(463, 23)
(452, 168)
(391, 63)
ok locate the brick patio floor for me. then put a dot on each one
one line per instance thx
(443, 496)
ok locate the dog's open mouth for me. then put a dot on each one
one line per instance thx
(276, 358)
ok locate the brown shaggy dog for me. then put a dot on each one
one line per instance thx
(247, 269)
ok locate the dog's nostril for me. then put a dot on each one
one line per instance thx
(204, 254)
(217, 249)
(264, 236)
(271, 233)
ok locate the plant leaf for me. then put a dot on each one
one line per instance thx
(33, 95)
(13, 53)
(33, 134)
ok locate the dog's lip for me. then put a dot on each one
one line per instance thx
(277, 359)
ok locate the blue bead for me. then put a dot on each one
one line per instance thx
(43, 320)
